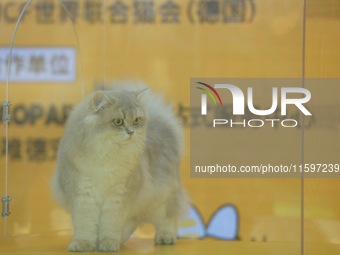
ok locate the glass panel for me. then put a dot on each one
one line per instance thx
(166, 43)
(45, 83)
(322, 141)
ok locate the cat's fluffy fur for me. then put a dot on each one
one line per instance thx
(112, 177)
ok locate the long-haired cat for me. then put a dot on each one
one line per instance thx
(118, 166)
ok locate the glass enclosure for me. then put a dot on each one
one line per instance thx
(64, 51)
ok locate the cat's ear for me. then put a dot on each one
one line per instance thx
(140, 93)
(99, 100)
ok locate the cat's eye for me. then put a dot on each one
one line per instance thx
(137, 121)
(118, 122)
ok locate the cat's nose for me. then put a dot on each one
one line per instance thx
(130, 132)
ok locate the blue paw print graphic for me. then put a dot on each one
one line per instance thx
(223, 224)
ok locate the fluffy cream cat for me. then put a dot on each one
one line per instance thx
(118, 166)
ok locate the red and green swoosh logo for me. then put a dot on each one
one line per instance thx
(211, 92)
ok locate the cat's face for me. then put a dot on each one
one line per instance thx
(118, 117)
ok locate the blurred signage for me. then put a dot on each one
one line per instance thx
(136, 11)
(39, 64)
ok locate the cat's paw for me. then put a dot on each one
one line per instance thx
(165, 238)
(81, 245)
(108, 244)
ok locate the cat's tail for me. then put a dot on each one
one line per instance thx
(184, 203)
(57, 191)
(178, 203)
